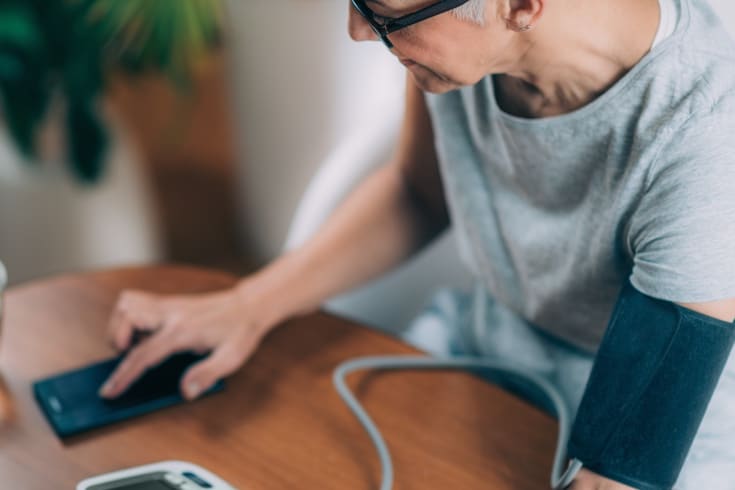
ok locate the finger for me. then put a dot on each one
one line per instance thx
(133, 313)
(133, 328)
(147, 355)
(222, 362)
(119, 326)
(122, 331)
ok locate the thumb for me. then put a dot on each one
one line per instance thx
(222, 362)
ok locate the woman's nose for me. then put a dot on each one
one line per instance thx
(359, 28)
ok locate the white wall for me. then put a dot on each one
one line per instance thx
(302, 87)
(50, 223)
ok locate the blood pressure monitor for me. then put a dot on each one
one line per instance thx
(168, 475)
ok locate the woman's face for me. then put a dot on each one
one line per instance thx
(442, 53)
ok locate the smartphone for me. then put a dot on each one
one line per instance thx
(71, 403)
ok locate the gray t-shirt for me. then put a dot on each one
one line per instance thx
(553, 214)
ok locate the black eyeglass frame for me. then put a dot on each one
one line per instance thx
(393, 25)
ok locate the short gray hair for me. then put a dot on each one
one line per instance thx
(472, 11)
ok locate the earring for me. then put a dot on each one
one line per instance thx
(518, 27)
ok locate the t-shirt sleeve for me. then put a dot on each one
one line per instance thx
(682, 232)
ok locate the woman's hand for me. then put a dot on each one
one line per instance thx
(587, 480)
(227, 323)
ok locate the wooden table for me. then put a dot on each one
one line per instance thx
(279, 424)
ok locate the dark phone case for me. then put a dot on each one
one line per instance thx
(71, 404)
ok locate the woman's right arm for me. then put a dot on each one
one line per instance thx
(391, 215)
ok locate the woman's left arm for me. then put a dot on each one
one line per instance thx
(587, 480)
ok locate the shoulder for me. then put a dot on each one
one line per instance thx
(699, 150)
(704, 57)
(682, 228)
(690, 78)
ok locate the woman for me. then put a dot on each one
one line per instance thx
(575, 144)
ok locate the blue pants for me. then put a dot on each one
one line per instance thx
(449, 326)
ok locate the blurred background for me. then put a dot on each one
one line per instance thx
(177, 84)
(206, 132)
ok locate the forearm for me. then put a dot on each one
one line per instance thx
(378, 226)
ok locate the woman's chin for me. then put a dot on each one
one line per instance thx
(428, 81)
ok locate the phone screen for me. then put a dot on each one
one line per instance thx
(71, 402)
(78, 390)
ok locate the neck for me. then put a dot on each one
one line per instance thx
(579, 49)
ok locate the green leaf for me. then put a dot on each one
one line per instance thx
(87, 140)
(168, 35)
(67, 45)
(17, 26)
(11, 68)
(24, 105)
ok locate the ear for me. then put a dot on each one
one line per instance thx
(522, 15)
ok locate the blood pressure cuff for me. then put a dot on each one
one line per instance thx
(653, 377)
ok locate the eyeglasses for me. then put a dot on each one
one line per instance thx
(385, 25)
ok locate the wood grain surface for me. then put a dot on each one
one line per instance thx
(279, 424)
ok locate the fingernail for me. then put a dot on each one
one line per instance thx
(192, 390)
(107, 388)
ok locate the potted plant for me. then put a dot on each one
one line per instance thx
(72, 193)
